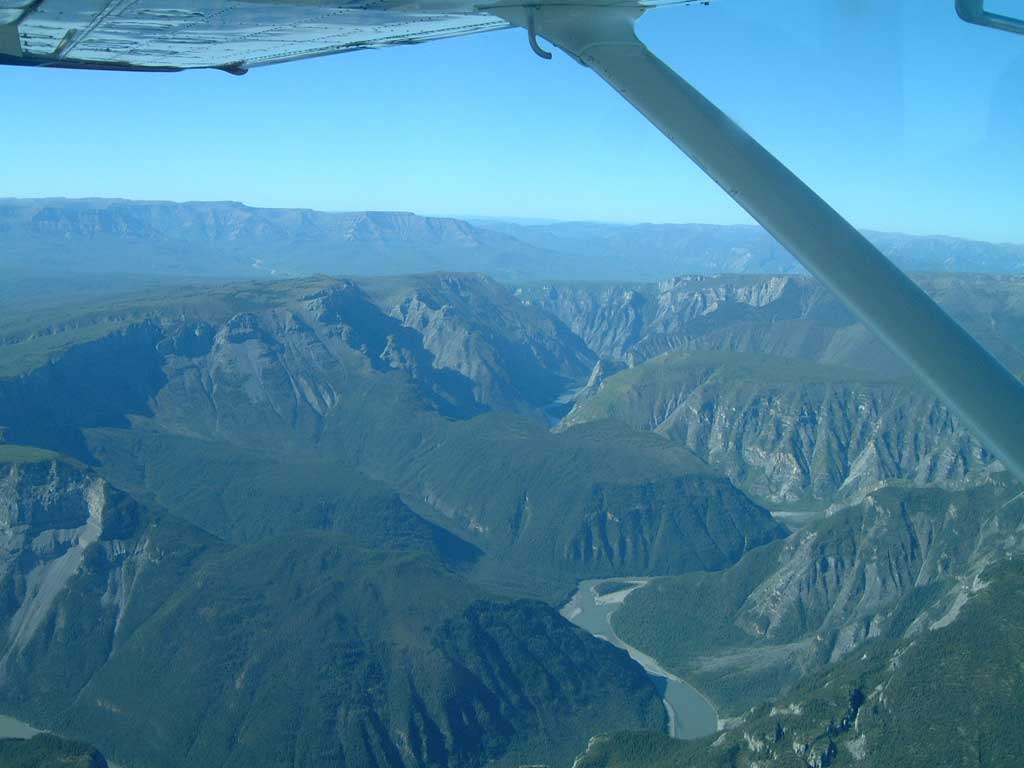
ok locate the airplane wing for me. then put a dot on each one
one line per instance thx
(237, 35)
(162, 35)
(234, 36)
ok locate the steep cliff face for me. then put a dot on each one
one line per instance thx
(792, 433)
(788, 316)
(901, 562)
(99, 382)
(841, 579)
(946, 695)
(435, 386)
(513, 353)
(55, 515)
(633, 323)
(165, 646)
(82, 565)
(201, 361)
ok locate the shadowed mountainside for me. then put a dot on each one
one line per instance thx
(435, 386)
(168, 647)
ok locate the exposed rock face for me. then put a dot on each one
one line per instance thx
(50, 515)
(842, 578)
(463, 341)
(154, 640)
(787, 316)
(513, 353)
(772, 381)
(901, 563)
(391, 379)
(633, 323)
(792, 433)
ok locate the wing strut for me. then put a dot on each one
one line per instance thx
(986, 396)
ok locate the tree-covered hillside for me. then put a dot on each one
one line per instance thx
(797, 434)
(268, 407)
(48, 751)
(946, 695)
(167, 647)
(328, 521)
(902, 558)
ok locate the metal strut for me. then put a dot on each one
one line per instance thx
(988, 398)
(531, 31)
(973, 12)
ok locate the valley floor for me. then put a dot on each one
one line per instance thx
(691, 715)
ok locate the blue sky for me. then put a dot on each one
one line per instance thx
(900, 115)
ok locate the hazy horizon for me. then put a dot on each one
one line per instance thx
(476, 218)
(902, 117)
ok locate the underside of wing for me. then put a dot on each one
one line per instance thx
(234, 36)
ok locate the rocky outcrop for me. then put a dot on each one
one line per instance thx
(52, 513)
(792, 433)
(633, 323)
(126, 629)
(392, 379)
(787, 316)
(514, 354)
(841, 579)
(902, 563)
(58, 522)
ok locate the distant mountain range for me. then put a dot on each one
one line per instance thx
(227, 239)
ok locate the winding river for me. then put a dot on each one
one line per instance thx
(16, 729)
(690, 715)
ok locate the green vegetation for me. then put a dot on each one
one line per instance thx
(744, 634)
(243, 495)
(32, 336)
(768, 370)
(258, 409)
(682, 620)
(797, 435)
(594, 501)
(24, 454)
(948, 695)
(48, 751)
(350, 499)
(610, 587)
(309, 648)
